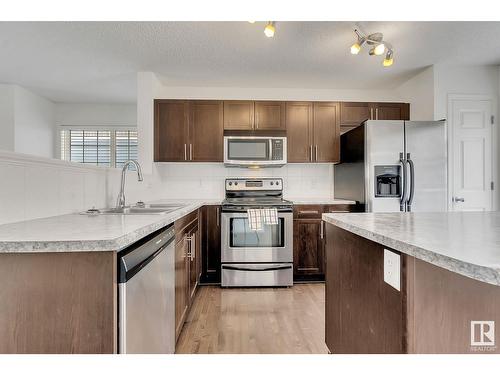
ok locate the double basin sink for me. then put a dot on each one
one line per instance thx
(148, 209)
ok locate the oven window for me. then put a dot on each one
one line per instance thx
(248, 149)
(240, 234)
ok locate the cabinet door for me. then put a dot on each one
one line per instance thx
(308, 249)
(194, 253)
(211, 245)
(390, 111)
(270, 115)
(181, 284)
(171, 131)
(326, 119)
(299, 123)
(206, 132)
(353, 113)
(238, 115)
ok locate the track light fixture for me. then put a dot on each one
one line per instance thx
(377, 44)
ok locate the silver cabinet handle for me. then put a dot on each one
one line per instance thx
(190, 151)
(218, 218)
(321, 234)
(185, 152)
(309, 212)
(190, 240)
(371, 113)
(316, 152)
(376, 113)
(458, 199)
(311, 152)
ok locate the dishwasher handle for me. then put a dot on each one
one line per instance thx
(138, 255)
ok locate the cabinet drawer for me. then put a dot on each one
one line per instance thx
(309, 211)
(340, 208)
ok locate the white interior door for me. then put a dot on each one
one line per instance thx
(472, 162)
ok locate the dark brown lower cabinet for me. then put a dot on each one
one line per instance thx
(432, 312)
(211, 244)
(187, 266)
(308, 247)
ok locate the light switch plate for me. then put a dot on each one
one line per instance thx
(392, 269)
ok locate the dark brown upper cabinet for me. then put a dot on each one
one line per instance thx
(353, 114)
(313, 131)
(206, 134)
(171, 130)
(326, 120)
(390, 111)
(188, 131)
(238, 115)
(270, 115)
(299, 123)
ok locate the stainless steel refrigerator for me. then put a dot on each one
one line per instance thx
(391, 166)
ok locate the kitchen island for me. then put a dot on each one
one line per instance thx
(412, 282)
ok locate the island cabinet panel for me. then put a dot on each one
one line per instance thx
(270, 115)
(363, 313)
(211, 244)
(58, 303)
(436, 310)
(206, 133)
(442, 306)
(239, 115)
(299, 124)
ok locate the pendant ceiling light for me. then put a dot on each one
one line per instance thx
(378, 46)
(270, 29)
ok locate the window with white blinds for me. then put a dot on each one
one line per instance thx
(110, 148)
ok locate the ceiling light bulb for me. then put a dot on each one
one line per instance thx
(389, 59)
(379, 49)
(388, 62)
(355, 48)
(270, 30)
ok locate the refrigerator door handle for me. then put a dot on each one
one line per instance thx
(412, 181)
(402, 201)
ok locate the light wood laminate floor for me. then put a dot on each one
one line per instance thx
(260, 320)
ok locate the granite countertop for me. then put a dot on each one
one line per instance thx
(467, 243)
(77, 232)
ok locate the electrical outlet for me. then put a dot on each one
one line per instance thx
(392, 269)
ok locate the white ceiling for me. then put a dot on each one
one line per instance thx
(98, 61)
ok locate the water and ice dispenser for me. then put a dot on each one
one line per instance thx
(387, 181)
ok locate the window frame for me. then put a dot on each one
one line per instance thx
(111, 129)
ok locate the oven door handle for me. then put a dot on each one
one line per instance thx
(234, 268)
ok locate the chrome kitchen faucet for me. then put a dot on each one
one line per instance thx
(120, 203)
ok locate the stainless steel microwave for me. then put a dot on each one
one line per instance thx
(252, 151)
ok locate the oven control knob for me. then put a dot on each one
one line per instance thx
(236, 183)
(272, 183)
(277, 182)
(230, 183)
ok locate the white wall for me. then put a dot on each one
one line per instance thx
(419, 92)
(34, 123)
(462, 80)
(88, 114)
(7, 117)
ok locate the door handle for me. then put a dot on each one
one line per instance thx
(412, 181)
(376, 113)
(316, 152)
(371, 113)
(321, 233)
(185, 152)
(458, 199)
(402, 201)
(190, 151)
(311, 152)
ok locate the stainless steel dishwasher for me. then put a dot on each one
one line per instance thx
(146, 295)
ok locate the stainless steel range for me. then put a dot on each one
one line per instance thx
(256, 257)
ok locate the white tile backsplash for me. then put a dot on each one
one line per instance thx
(35, 187)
